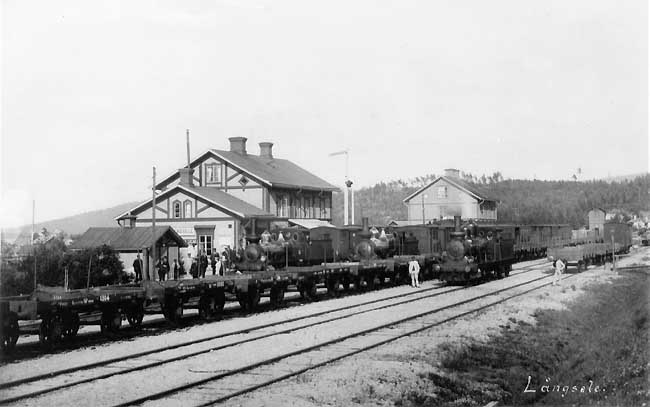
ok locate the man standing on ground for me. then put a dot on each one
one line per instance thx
(414, 271)
(137, 267)
(559, 269)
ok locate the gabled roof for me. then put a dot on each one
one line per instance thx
(122, 239)
(477, 192)
(213, 196)
(272, 172)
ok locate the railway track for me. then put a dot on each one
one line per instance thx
(40, 385)
(224, 386)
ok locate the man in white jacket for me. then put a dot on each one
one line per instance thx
(414, 271)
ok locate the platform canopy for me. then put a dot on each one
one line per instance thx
(310, 223)
(129, 239)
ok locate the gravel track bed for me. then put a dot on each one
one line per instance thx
(391, 374)
(128, 386)
(227, 386)
(65, 359)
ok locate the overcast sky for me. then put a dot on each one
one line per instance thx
(96, 93)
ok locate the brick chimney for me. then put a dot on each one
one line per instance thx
(266, 149)
(452, 173)
(186, 177)
(238, 145)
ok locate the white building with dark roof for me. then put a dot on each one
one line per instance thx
(226, 195)
(448, 196)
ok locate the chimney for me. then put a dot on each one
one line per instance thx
(452, 173)
(186, 177)
(266, 149)
(238, 145)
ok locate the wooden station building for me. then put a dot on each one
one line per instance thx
(224, 195)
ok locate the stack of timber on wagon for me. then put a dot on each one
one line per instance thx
(589, 247)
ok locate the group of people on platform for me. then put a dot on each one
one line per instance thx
(195, 267)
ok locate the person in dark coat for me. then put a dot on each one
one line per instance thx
(203, 264)
(176, 268)
(163, 269)
(137, 267)
(213, 262)
(194, 269)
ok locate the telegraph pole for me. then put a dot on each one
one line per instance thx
(153, 227)
(33, 248)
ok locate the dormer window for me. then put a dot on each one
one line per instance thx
(213, 174)
(178, 213)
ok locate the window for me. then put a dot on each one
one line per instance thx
(177, 213)
(213, 173)
(442, 192)
(187, 206)
(283, 205)
(205, 244)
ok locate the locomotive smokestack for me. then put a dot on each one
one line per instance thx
(365, 224)
(457, 223)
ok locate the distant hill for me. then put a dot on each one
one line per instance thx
(525, 201)
(521, 201)
(622, 178)
(72, 225)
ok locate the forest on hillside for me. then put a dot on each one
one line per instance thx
(525, 201)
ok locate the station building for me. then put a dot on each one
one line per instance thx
(224, 195)
(448, 196)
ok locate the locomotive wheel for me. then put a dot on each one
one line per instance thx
(334, 287)
(253, 298)
(346, 285)
(242, 299)
(250, 300)
(309, 291)
(71, 326)
(111, 321)
(366, 283)
(207, 306)
(175, 312)
(50, 331)
(135, 317)
(312, 292)
(10, 333)
(220, 302)
(277, 295)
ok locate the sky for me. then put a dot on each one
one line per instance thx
(96, 93)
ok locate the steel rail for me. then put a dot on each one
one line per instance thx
(32, 379)
(73, 369)
(365, 348)
(195, 383)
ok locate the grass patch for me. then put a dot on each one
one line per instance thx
(601, 340)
